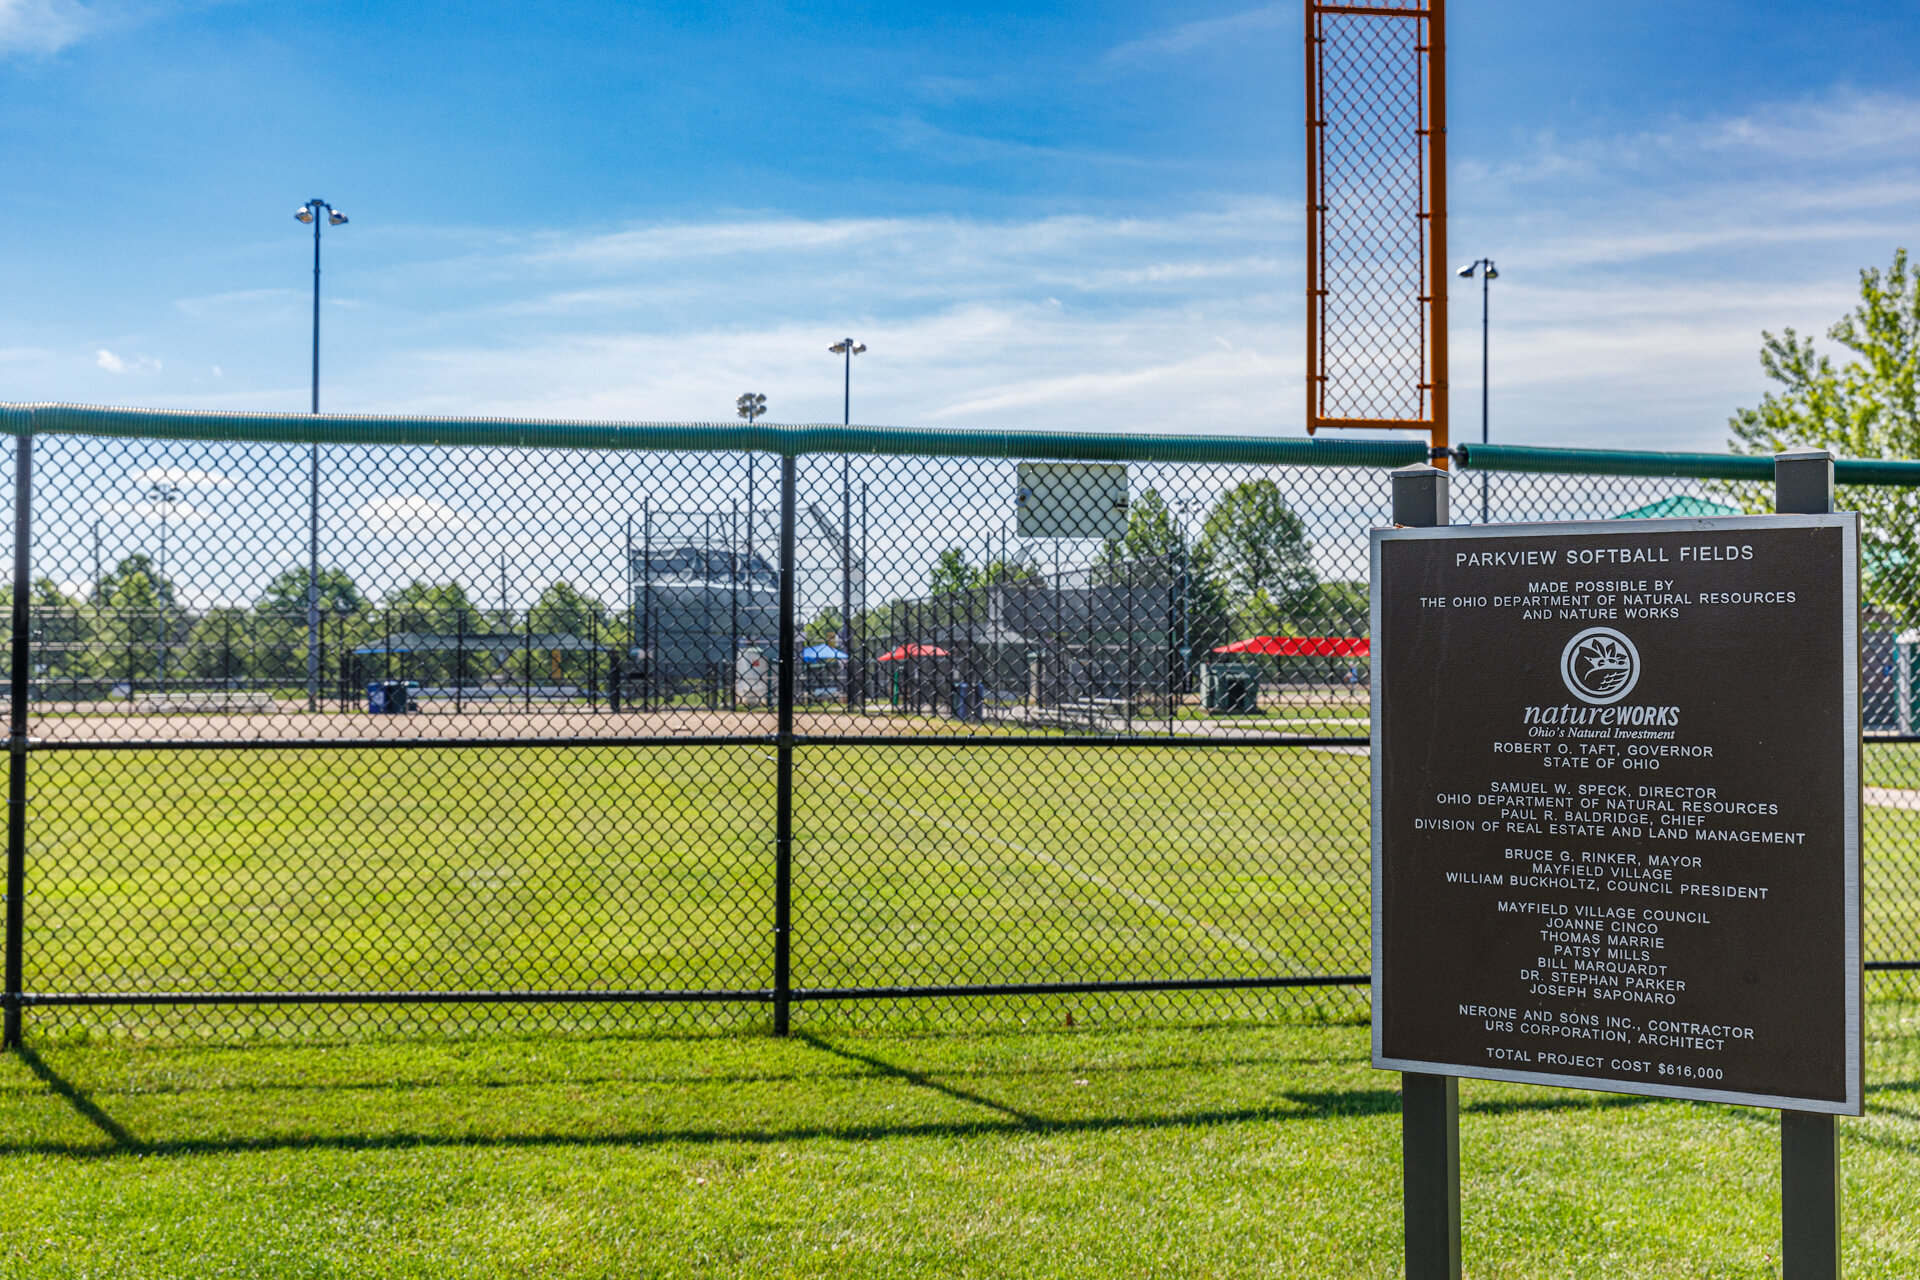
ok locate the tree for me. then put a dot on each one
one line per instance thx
(954, 573)
(824, 628)
(564, 608)
(272, 644)
(135, 620)
(221, 647)
(1258, 546)
(1152, 533)
(434, 606)
(437, 608)
(1868, 407)
(1343, 608)
(62, 629)
(135, 584)
(1154, 555)
(287, 593)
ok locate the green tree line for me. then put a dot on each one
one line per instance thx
(133, 620)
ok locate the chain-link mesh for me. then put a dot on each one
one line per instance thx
(1052, 740)
(1371, 197)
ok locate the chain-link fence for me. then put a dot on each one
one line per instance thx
(1376, 214)
(532, 729)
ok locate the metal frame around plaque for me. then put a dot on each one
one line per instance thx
(1847, 523)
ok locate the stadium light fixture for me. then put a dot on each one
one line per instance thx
(750, 406)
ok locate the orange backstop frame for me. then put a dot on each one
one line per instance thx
(1429, 316)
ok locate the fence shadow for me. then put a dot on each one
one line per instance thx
(82, 1103)
(1008, 1112)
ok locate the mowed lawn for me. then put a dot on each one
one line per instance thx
(1230, 1151)
(652, 868)
(1077, 1136)
(465, 868)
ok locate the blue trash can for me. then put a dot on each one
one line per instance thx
(389, 698)
(969, 700)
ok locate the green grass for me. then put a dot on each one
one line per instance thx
(1892, 764)
(1139, 1148)
(620, 867)
(1231, 1151)
(653, 867)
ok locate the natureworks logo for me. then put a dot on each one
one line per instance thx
(1600, 666)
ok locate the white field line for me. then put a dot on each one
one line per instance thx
(1891, 798)
(1090, 877)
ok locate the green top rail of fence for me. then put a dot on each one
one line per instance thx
(720, 437)
(535, 433)
(1541, 459)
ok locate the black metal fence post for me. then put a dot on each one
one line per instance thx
(783, 797)
(17, 739)
(1809, 1141)
(1429, 1104)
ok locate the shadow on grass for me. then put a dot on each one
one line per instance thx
(999, 1116)
(80, 1101)
(830, 1072)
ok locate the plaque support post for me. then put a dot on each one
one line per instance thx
(1809, 1141)
(1429, 1104)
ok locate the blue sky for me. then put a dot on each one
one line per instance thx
(1050, 216)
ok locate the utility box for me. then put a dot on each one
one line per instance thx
(751, 672)
(1071, 500)
(1229, 687)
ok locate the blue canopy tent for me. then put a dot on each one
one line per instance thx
(821, 653)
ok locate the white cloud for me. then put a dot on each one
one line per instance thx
(1189, 36)
(112, 363)
(1637, 274)
(43, 26)
(183, 478)
(410, 513)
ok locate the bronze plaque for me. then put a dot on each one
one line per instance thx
(1616, 806)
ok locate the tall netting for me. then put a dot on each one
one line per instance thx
(1376, 214)
(509, 737)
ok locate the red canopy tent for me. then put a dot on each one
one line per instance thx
(1301, 646)
(915, 651)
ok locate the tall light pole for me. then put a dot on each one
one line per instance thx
(1488, 274)
(749, 406)
(164, 493)
(847, 348)
(1182, 509)
(310, 213)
